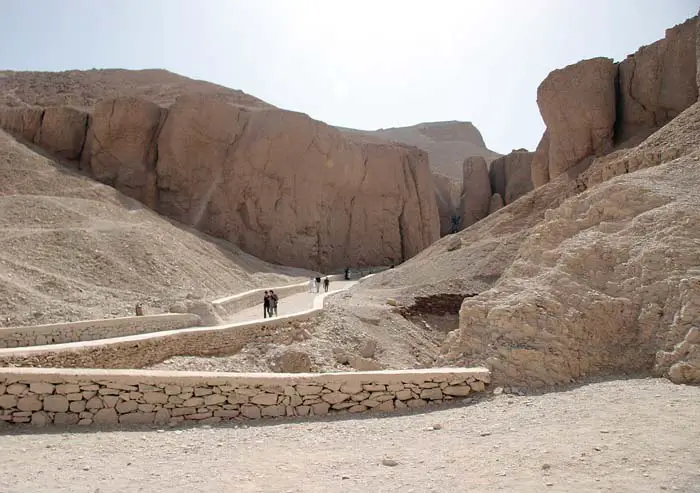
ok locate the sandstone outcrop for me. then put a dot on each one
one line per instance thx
(21, 122)
(658, 82)
(243, 182)
(120, 147)
(577, 104)
(510, 175)
(607, 282)
(447, 196)
(62, 131)
(539, 168)
(476, 191)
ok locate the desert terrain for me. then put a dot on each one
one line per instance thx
(574, 279)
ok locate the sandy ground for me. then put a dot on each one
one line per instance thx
(617, 436)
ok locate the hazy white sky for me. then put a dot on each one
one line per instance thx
(363, 64)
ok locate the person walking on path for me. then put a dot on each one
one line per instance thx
(311, 285)
(347, 273)
(318, 284)
(266, 305)
(273, 303)
(326, 283)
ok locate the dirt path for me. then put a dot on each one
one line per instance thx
(291, 304)
(617, 436)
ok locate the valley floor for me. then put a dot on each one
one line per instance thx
(619, 436)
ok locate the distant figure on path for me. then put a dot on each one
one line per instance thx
(326, 283)
(266, 305)
(318, 284)
(347, 273)
(273, 303)
(311, 285)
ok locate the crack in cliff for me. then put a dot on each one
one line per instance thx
(348, 233)
(38, 128)
(85, 138)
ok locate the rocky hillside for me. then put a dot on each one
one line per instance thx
(283, 187)
(593, 273)
(75, 249)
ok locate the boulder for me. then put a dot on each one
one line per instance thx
(476, 191)
(120, 148)
(62, 131)
(495, 203)
(510, 175)
(658, 82)
(292, 190)
(21, 122)
(577, 104)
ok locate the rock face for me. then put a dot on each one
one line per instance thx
(284, 187)
(120, 147)
(607, 282)
(447, 196)
(358, 204)
(658, 82)
(510, 175)
(577, 104)
(21, 122)
(62, 131)
(476, 191)
(581, 102)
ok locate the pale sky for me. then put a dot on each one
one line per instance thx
(362, 64)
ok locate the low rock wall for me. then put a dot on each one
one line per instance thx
(41, 396)
(90, 330)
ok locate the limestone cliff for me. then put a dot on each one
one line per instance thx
(284, 187)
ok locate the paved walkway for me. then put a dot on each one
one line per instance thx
(289, 305)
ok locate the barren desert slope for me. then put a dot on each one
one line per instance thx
(75, 249)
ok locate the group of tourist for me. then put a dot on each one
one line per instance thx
(315, 284)
(270, 304)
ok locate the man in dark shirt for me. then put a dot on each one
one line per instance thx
(266, 305)
(273, 303)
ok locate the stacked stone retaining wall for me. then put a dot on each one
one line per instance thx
(41, 396)
(90, 330)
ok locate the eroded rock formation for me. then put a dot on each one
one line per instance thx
(447, 196)
(594, 106)
(476, 191)
(510, 175)
(284, 187)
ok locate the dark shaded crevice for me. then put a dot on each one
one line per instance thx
(88, 118)
(348, 233)
(38, 128)
(436, 304)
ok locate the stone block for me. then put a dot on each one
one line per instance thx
(194, 402)
(172, 390)
(431, 394)
(74, 397)
(41, 388)
(199, 416)
(343, 405)
(120, 386)
(77, 406)
(8, 401)
(56, 403)
(333, 386)
(17, 389)
(320, 408)
(29, 403)
(202, 391)
(370, 403)
(106, 416)
(237, 398)
(106, 391)
(360, 396)
(374, 387)
(274, 411)
(155, 397)
(303, 410)
(85, 422)
(458, 391)
(147, 388)
(351, 388)
(264, 399)
(173, 399)
(335, 397)
(226, 413)
(214, 399)
(124, 407)
(94, 403)
(110, 400)
(40, 418)
(183, 411)
(162, 416)
(386, 406)
(404, 395)
(250, 412)
(146, 408)
(395, 387)
(308, 389)
(414, 403)
(90, 387)
(428, 385)
(477, 386)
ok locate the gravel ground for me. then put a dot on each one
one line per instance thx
(618, 436)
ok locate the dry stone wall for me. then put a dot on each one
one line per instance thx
(92, 397)
(90, 330)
